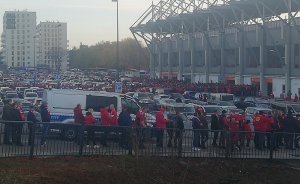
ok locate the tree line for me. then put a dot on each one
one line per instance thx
(104, 54)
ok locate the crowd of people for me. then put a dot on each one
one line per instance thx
(14, 116)
(271, 130)
(182, 86)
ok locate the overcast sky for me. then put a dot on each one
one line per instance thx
(89, 21)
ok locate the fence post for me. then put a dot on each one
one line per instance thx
(227, 143)
(32, 129)
(272, 144)
(179, 142)
(81, 137)
(129, 132)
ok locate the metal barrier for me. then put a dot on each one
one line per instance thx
(19, 139)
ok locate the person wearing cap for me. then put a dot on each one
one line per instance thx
(32, 118)
(161, 125)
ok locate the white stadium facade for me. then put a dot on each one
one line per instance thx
(231, 41)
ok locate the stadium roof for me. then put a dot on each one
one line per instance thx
(188, 16)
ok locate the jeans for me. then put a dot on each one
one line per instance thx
(196, 139)
(44, 134)
(159, 137)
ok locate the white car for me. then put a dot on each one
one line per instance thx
(31, 96)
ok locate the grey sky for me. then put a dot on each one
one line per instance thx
(89, 21)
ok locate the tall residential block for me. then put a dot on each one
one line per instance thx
(17, 39)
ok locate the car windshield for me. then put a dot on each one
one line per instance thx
(31, 95)
(185, 109)
(143, 95)
(11, 95)
(212, 109)
(177, 95)
(226, 104)
(227, 97)
(164, 96)
(296, 108)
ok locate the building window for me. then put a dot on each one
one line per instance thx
(12, 53)
(12, 58)
(283, 88)
(12, 64)
(18, 64)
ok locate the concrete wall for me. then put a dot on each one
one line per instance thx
(277, 86)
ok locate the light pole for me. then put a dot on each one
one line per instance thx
(58, 67)
(118, 57)
(34, 64)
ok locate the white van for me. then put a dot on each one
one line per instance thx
(61, 103)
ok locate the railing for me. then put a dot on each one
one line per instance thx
(16, 140)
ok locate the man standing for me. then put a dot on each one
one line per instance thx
(140, 124)
(78, 119)
(45, 115)
(161, 125)
(179, 126)
(18, 115)
(290, 125)
(106, 122)
(7, 116)
(125, 121)
(31, 117)
(215, 127)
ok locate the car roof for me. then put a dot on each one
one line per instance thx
(259, 108)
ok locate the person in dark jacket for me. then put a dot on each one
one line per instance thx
(204, 129)
(179, 126)
(290, 124)
(45, 115)
(196, 132)
(17, 115)
(215, 127)
(125, 122)
(223, 126)
(78, 119)
(7, 116)
(31, 117)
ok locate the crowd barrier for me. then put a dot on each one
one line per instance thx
(25, 139)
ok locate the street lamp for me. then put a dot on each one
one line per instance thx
(34, 63)
(58, 67)
(118, 57)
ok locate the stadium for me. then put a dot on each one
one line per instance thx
(229, 41)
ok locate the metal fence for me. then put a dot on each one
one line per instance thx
(19, 139)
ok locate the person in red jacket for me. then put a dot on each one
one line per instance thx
(114, 115)
(89, 122)
(296, 98)
(259, 138)
(161, 125)
(105, 121)
(269, 124)
(140, 123)
(233, 127)
(78, 116)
